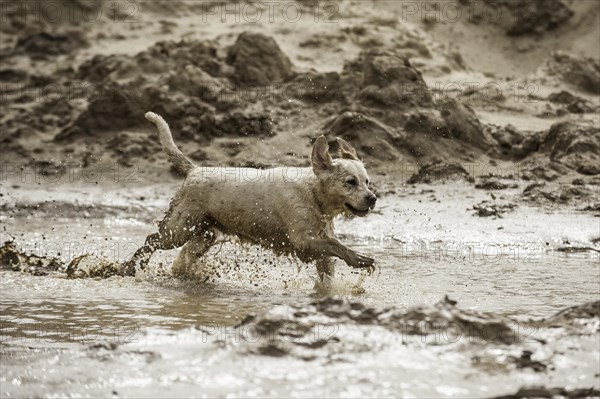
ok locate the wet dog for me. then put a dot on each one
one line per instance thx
(287, 210)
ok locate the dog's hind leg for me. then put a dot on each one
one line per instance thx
(171, 234)
(179, 225)
(183, 267)
(141, 257)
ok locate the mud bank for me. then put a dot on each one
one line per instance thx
(225, 109)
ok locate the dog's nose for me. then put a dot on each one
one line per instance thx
(371, 199)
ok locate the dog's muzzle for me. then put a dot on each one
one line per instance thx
(357, 212)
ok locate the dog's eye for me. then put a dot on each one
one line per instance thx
(351, 181)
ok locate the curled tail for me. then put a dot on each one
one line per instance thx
(181, 163)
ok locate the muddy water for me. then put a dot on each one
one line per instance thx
(54, 310)
(154, 335)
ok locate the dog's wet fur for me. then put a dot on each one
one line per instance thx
(288, 210)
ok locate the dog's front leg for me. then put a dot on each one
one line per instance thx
(325, 268)
(317, 248)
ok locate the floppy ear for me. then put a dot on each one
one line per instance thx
(346, 151)
(321, 159)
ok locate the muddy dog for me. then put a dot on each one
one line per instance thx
(287, 210)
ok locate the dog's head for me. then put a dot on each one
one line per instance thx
(345, 182)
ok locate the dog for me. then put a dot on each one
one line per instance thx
(287, 210)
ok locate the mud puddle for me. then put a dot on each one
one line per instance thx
(390, 334)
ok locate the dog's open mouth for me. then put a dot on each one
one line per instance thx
(354, 211)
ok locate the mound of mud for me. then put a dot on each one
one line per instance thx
(488, 209)
(462, 124)
(43, 45)
(113, 107)
(542, 193)
(567, 144)
(42, 30)
(372, 137)
(84, 266)
(258, 60)
(175, 85)
(574, 145)
(311, 330)
(387, 79)
(522, 18)
(490, 183)
(161, 58)
(545, 170)
(582, 73)
(14, 259)
(575, 315)
(325, 327)
(440, 172)
(510, 141)
(573, 103)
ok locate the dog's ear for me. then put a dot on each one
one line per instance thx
(346, 151)
(321, 159)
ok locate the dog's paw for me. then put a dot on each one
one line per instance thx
(362, 261)
(371, 269)
(127, 268)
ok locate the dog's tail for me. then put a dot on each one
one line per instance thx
(181, 163)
